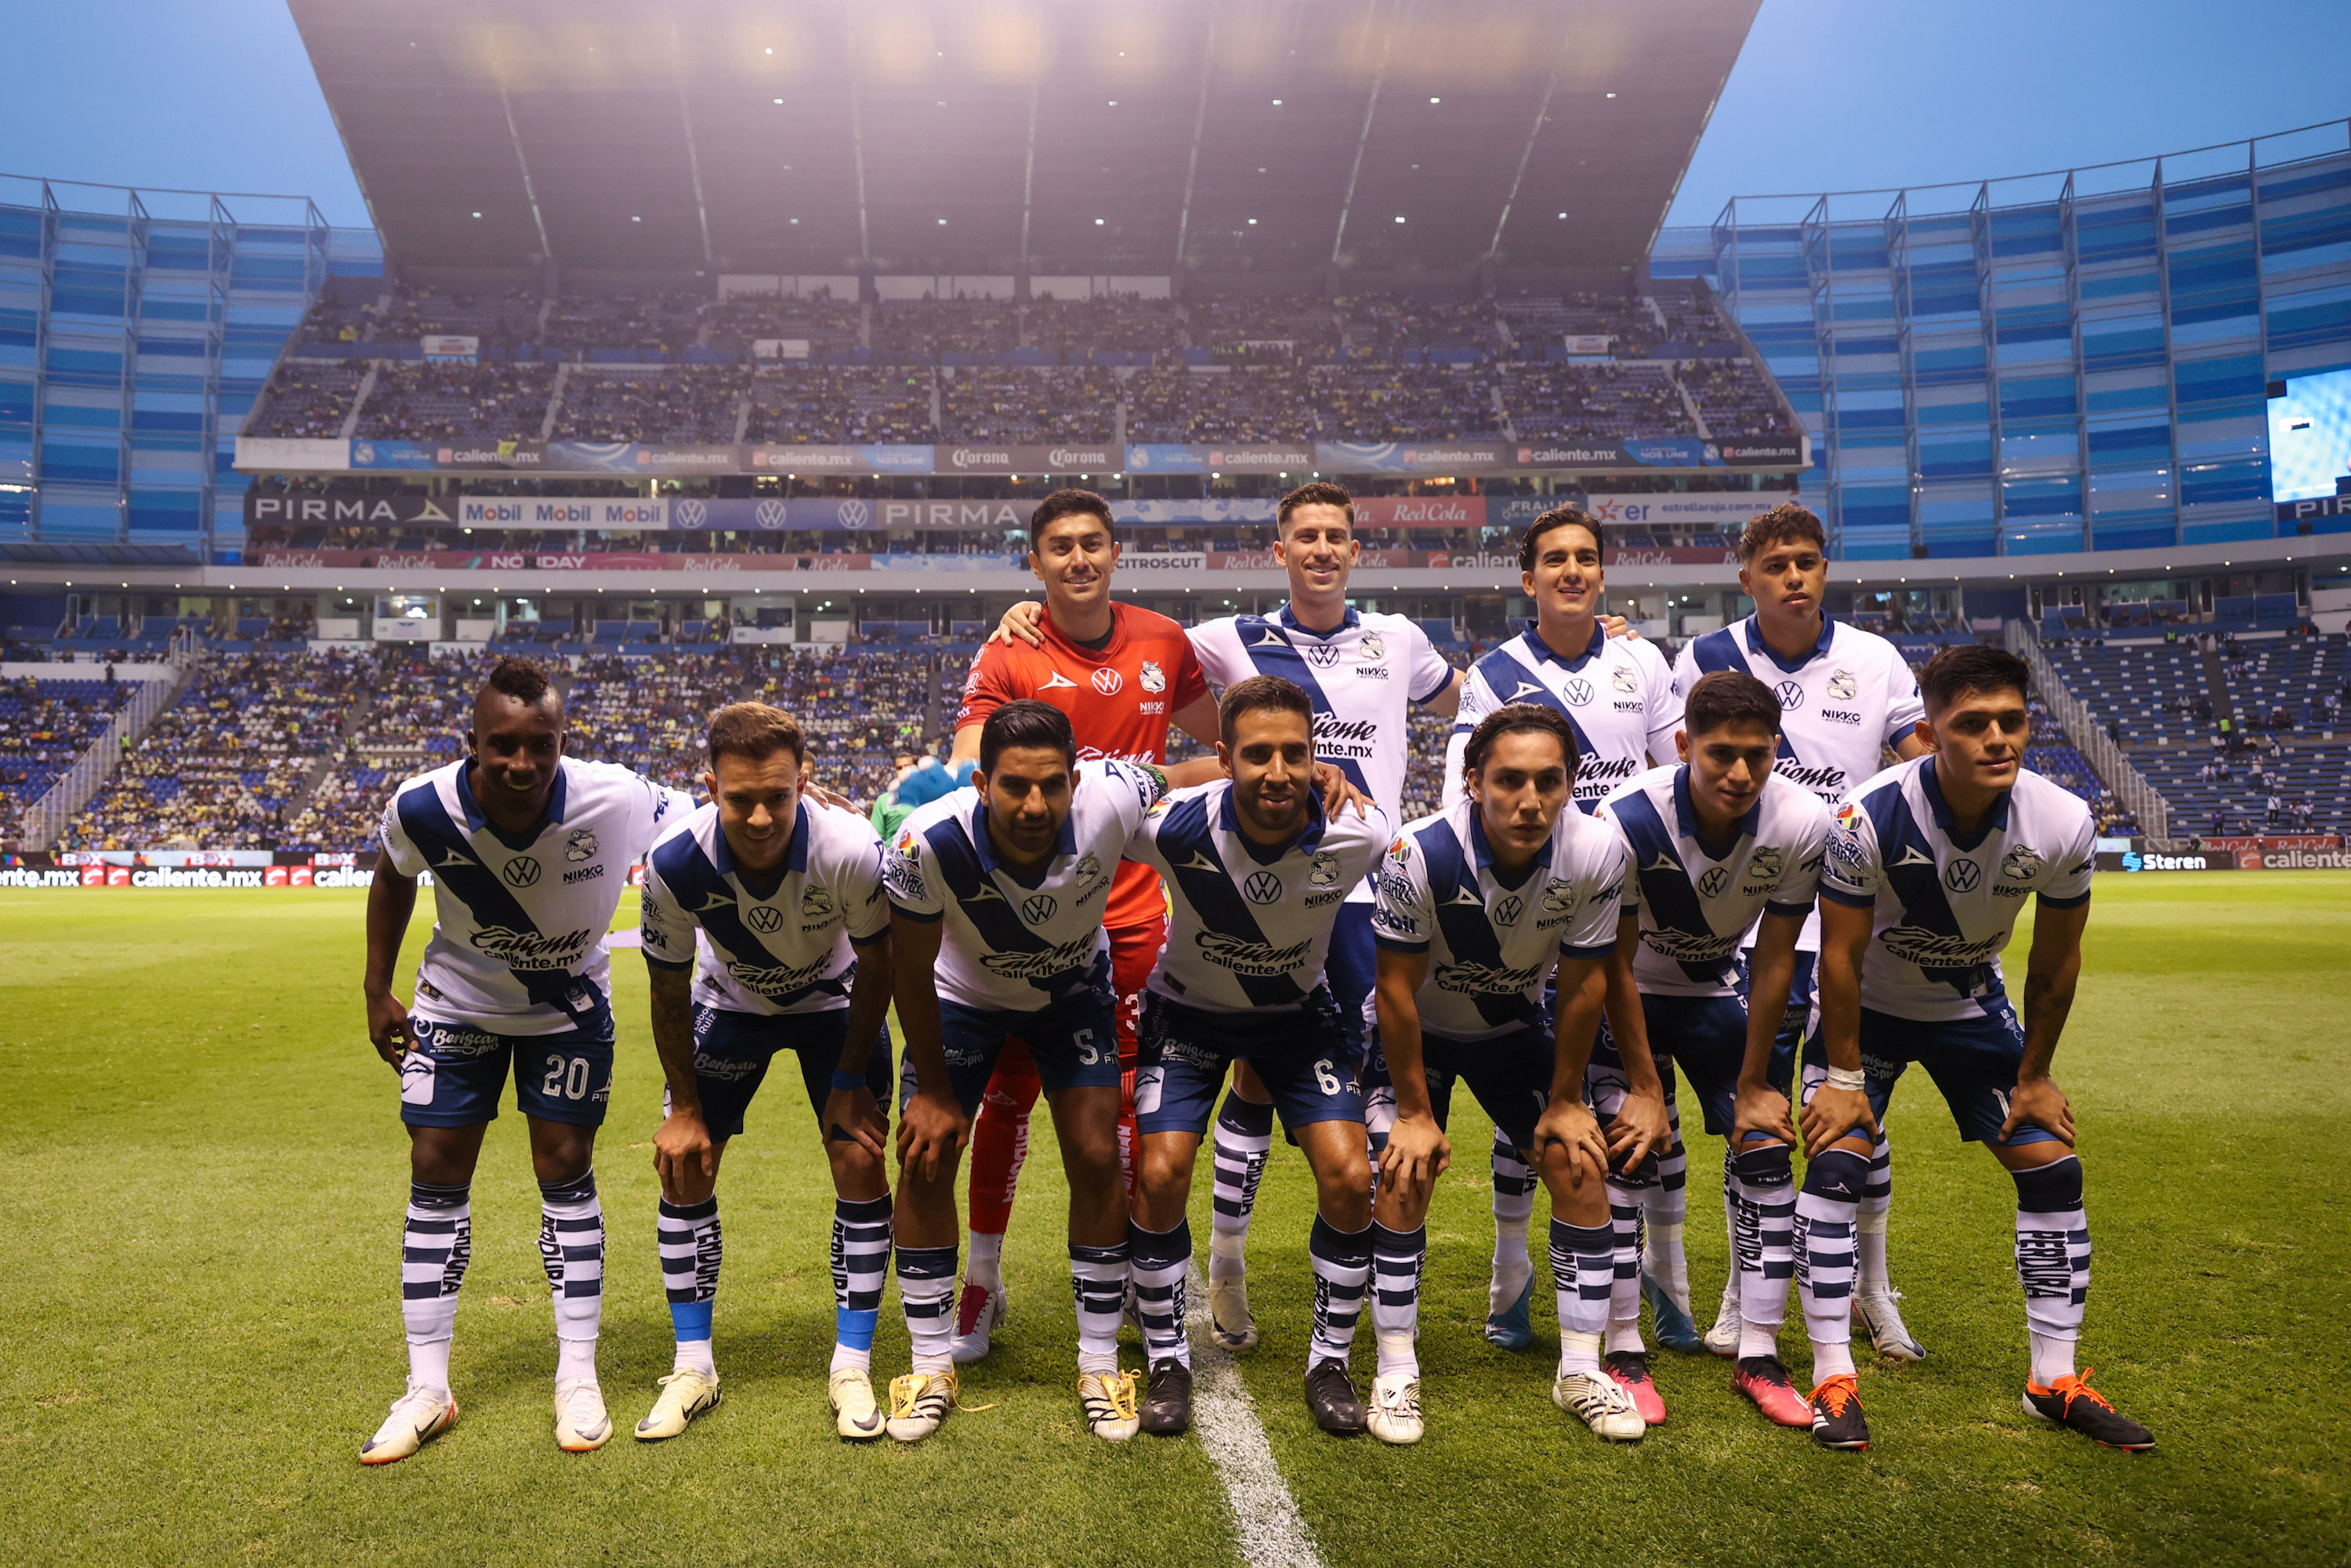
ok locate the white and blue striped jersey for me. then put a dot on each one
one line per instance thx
(783, 944)
(1616, 692)
(1848, 698)
(1013, 945)
(1945, 906)
(1492, 945)
(518, 923)
(1695, 906)
(1249, 927)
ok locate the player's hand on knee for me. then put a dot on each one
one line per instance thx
(1020, 621)
(1832, 1113)
(1418, 1152)
(682, 1149)
(854, 1116)
(1568, 1135)
(932, 1132)
(2038, 1102)
(1639, 1129)
(1759, 1108)
(388, 1028)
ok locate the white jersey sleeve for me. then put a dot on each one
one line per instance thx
(398, 847)
(2070, 887)
(1590, 931)
(1477, 700)
(910, 874)
(1216, 644)
(1799, 886)
(1429, 671)
(1665, 704)
(862, 890)
(1851, 873)
(1904, 706)
(1402, 913)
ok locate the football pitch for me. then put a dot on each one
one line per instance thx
(199, 1325)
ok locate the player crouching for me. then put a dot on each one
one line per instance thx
(765, 930)
(1256, 875)
(1476, 907)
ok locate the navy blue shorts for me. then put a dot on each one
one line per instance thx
(1302, 1057)
(1351, 971)
(1702, 1039)
(1073, 1041)
(1800, 985)
(1972, 1061)
(1510, 1074)
(454, 1076)
(732, 1050)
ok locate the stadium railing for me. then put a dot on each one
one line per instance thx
(2090, 739)
(47, 818)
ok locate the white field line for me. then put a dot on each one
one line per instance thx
(1266, 1518)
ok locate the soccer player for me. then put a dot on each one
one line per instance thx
(1721, 845)
(1122, 674)
(996, 896)
(1929, 865)
(1617, 696)
(1845, 694)
(766, 929)
(1257, 875)
(1477, 906)
(530, 851)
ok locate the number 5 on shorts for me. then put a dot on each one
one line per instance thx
(1088, 1053)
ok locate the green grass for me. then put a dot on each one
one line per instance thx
(204, 1175)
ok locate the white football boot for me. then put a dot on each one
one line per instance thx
(1600, 1403)
(581, 1427)
(856, 1416)
(417, 1417)
(685, 1394)
(1393, 1412)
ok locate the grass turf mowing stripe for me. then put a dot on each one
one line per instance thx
(1273, 1533)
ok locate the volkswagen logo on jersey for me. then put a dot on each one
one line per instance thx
(816, 902)
(1322, 655)
(1790, 694)
(1622, 678)
(1109, 681)
(1373, 646)
(1507, 912)
(1842, 686)
(1961, 876)
(1262, 887)
(1038, 910)
(580, 846)
(1155, 679)
(768, 514)
(1711, 883)
(521, 872)
(1578, 691)
(766, 922)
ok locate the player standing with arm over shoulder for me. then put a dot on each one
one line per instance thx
(530, 851)
(1617, 696)
(765, 930)
(996, 921)
(1477, 906)
(1845, 695)
(1927, 871)
(1257, 874)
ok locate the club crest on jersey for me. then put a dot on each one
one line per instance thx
(1323, 655)
(1262, 887)
(1038, 909)
(520, 871)
(766, 922)
(1557, 897)
(1622, 678)
(1842, 686)
(1373, 645)
(1714, 880)
(1765, 863)
(816, 902)
(1961, 876)
(1089, 866)
(1155, 679)
(1108, 682)
(580, 846)
(1323, 870)
(2020, 864)
(1578, 692)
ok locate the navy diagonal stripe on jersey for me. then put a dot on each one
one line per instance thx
(1719, 651)
(684, 866)
(1185, 833)
(1542, 697)
(1666, 892)
(1467, 931)
(1274, 653)
(449, 854)
(1919, 887)
(984, 905)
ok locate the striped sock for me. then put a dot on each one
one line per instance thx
(1160, 1259)
(1243, 1140)
(687, 1234)
(437, 1244)
(2053, 1263)
(1822, 1238)
(1396, 1260)
(1098, 1277)
(1663, 1211)
(571, 1246)
(1762, 1185)
(1343, 1263)
(1514, 1207)
(1626, 1226)
(926, 1284)
(1583, 1271)
(861, 1262)
(1876, 1200)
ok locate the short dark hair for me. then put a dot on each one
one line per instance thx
(1965, 668)
(1066, 504)
(1728, 696)
(525, 680)
(1557, 517)
(1263, 691)
(1025, 722)
(1320, 492)
(1512, 718)
(755, 731)
(1784, 524)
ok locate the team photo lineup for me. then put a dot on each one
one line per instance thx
(1743, 892)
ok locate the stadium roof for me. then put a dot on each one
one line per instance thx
(996, 136)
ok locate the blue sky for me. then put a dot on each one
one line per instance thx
(1828, 94)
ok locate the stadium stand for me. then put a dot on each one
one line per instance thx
(687, 405)
(1253, 403)
(1373, 403)
(414, 717)
(649, 714)
(448, 402)
(824, 406)
(1606, 402)
(735, 326)
(1028, 405)
(46, 724)
(306, 399)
